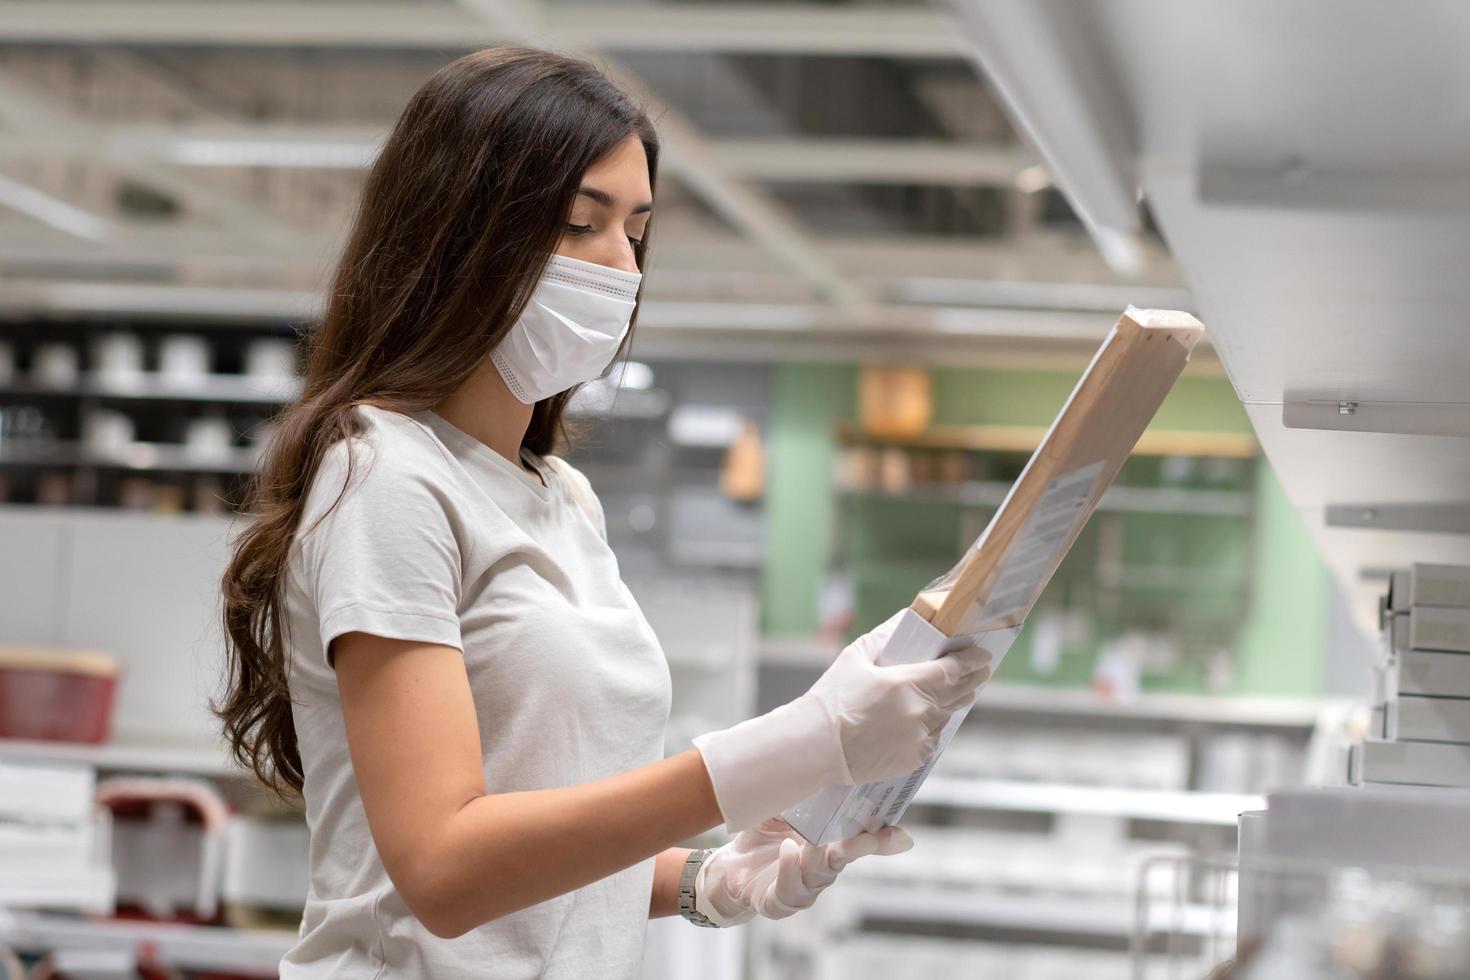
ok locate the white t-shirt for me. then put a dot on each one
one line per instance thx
(441, 539)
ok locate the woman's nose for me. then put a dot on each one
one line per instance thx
(621, 257)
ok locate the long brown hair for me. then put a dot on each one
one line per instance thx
(459, 214)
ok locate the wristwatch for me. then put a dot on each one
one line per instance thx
(686, 889)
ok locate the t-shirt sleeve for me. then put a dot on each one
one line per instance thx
(385, 559)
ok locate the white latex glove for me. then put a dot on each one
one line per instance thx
(858, 723)
(772, 872)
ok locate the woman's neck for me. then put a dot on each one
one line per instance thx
(484, 408)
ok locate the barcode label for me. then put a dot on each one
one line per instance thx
(909, 785)
(1042, 541)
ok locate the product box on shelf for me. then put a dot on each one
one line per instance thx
(1429, 719)
(54, 841)
(1400, 827)
(1411, 763)
(1434, 673)
(1444, 628)
(987, 595)
(1440, 585)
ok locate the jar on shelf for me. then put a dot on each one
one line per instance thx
(895, 402)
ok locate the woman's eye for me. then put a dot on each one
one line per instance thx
(579, 229)
(635, 242)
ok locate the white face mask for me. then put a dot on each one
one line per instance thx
(570, 329)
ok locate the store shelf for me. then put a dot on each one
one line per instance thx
(798, 651)
(237, 388)
(200, 760)
(1194, 710)
(1168, 578)
(93, 890)
(1025, 439)
(1120, 499)
(1190, 709)
(718, 554)
(626, 403)
(256, 952)
(1029, 913)
(140, 456)
(1172, 806)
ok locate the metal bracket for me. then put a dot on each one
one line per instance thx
(1425, 518)
(1405, 418)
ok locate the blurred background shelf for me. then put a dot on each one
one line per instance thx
(150, 387)
(1149, 707)
(135, 757)
(252, 952)
(1110, 921)
(1025, 438)
(140, 456)
(1122, 499)
(1219, 809)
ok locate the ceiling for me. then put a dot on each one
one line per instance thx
(836, 173)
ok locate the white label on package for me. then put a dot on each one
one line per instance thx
(1040, 541)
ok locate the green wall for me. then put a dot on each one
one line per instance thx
(809, 400)
(1280, 644)
(1283, 639)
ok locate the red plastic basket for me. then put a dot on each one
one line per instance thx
(56, 695)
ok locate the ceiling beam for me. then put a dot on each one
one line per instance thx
(875, 161)
(40, 118)
(698, 166)
(686, 154)
(739, 331)
(80, 296)
(769, 28)
(823, 160)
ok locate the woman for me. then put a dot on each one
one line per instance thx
(429, 638)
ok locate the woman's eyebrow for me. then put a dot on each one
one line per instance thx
(607, 200)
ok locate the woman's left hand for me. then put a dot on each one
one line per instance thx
(773, 872)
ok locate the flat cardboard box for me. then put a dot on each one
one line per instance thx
(1414, 763)
(1394, 826)
(1440, 585)
(986, 596)
(1431, 672)
(1443, 628)
(1414, 718)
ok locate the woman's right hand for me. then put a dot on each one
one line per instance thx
(859, 722)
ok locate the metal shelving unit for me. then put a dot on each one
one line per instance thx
(141, 757)
(1119, 499)
(1186, 807)
(238, 388)
(140, 456)
(253, 952)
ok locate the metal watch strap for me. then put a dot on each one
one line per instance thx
(686, 889)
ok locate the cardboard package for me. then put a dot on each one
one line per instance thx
(1411, 763)
(1438, 674)
(1445, 628)
(987, 595)
(1415, 718)
(1439, 585)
